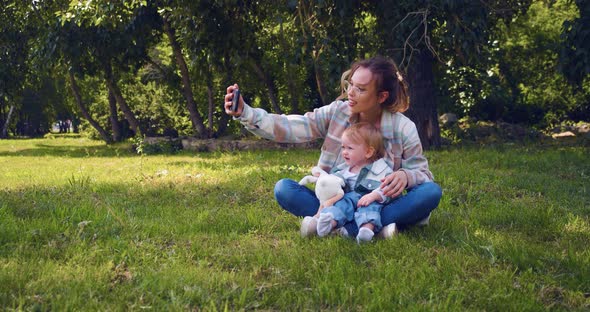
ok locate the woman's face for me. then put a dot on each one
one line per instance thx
(362, 93)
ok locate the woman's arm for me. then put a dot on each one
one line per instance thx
(287, 128)
(405, 152)
(414, 164)
(281, 128)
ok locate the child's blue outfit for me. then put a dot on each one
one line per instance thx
(367, 181)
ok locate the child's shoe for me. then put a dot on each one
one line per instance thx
(309, 227)
(424, 221)
(341, 231)
(365, 235)
(325, 224)
(388, 231)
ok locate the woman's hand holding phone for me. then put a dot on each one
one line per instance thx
(234, 104)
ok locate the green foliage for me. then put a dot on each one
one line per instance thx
(89, 226)
(158, 109)
(165, 146)
(575, 52)
(496, 60)
(470, 131)
(529, 65)
(518, 80)
(13, 51)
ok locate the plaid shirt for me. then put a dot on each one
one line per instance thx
(402, 143)
(368, 179)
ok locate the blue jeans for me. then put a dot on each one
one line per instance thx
(345, 210)
(404, 211)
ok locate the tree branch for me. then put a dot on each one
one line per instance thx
(409, 44)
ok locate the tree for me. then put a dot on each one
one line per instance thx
(27, 86)
(77, 94)
(288, 56)
(327, 36)
(117, 39)
(422, 35)
(187, 91)
(66, 48)
(574, 59)
(14, 38)
(575, 54)
(200, 27)
(527, 58)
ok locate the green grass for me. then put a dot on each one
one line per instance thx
(84, 226)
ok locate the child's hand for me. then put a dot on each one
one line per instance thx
(368, 199)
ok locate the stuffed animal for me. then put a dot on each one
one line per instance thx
(328, 189)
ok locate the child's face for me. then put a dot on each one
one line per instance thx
(355, 154)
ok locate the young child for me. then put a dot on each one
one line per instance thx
(362, 170)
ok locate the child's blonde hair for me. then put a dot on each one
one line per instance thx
(366, 133)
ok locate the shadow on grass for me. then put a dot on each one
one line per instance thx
(79, 148)
(66, 148)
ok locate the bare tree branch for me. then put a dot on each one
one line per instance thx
(409, 43)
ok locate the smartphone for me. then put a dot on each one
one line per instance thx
(235, 100)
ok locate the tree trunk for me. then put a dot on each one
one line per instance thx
(224, 119)
(196, 119)
(293, 91)
(76, 90)
(270, 86)
(4, 133)
(290, 82)
(319, 82)
(114, 88)
(115, 125)
(423, 111)
(211, 109)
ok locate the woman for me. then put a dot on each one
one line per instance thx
(377, 94)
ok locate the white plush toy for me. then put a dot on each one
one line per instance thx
(328, 189)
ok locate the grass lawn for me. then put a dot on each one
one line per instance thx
(84, 226)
